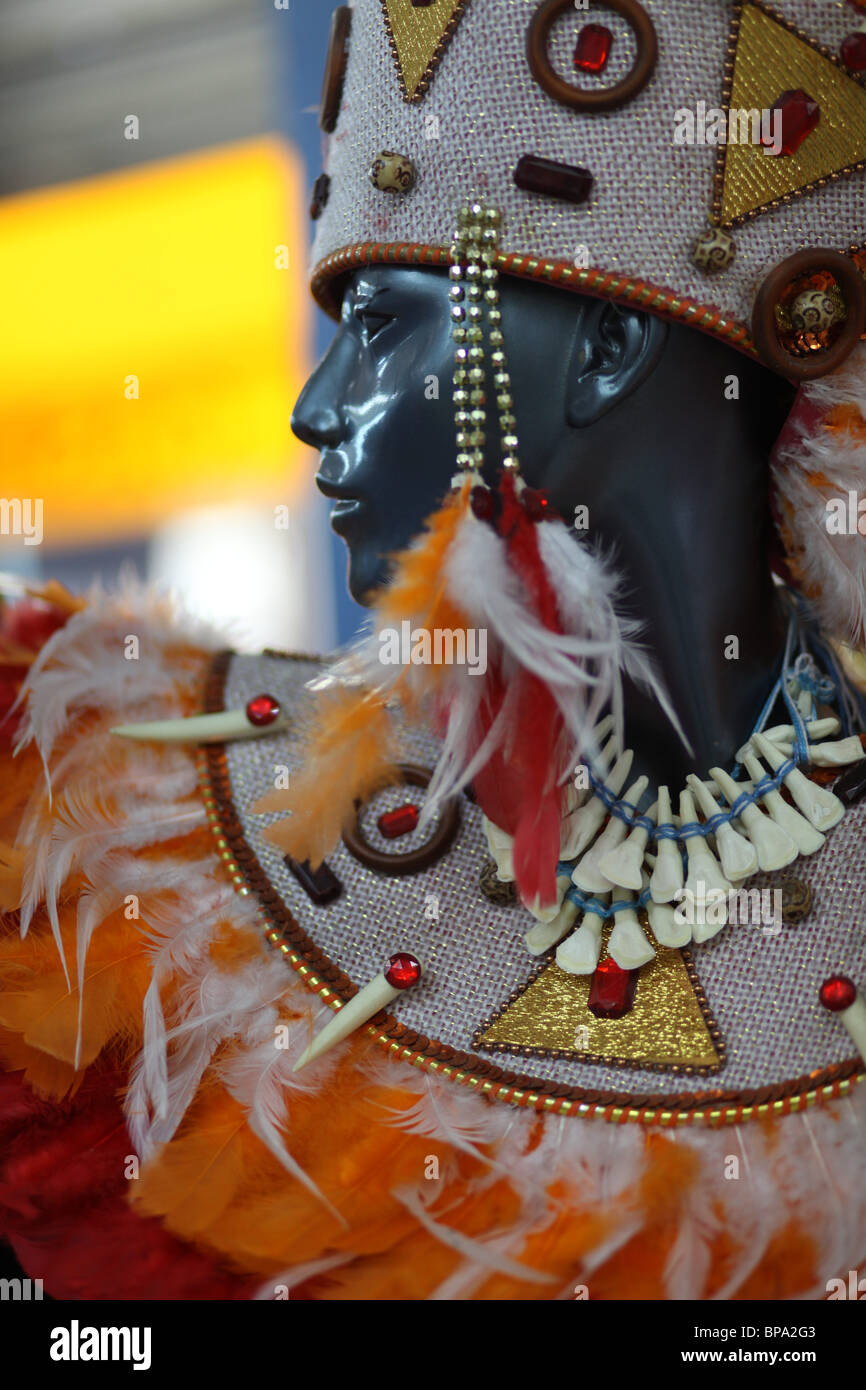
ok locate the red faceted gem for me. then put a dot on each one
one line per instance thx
(398, 822)
(481, 502)
(592, 49)
(611, 994)
(535, 504)
(853, 51)
(837, 993)
(262, 710)
(403, 971)
(800, 115)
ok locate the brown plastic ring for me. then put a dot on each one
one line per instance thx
(416, 859)
(335, 68)
(765, 334)
(582, 99)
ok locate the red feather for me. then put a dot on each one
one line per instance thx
(63, 1203)
(518, 788)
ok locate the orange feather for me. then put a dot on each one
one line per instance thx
(353, 751)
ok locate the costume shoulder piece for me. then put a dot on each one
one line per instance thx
(160, 942)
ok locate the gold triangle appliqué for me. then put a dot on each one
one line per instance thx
(770, 57)
(418, 36)
(669, 1027)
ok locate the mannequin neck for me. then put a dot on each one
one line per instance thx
(677, 486)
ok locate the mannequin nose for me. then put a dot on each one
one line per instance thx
(315, 418)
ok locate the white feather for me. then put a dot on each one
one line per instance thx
(811, 466)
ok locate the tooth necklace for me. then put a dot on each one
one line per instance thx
(615, 859)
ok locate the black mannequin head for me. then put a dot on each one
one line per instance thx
(618, 412)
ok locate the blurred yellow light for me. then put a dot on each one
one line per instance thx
(173, 274)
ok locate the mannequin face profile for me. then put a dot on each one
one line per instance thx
(660, 433)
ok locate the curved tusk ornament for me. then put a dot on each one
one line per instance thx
(401, 972)
(261, 715)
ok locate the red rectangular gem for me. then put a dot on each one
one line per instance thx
(611, 994)
(400, 821)
(592, 49)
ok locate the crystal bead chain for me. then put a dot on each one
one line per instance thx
(501, 375)
(474, 297)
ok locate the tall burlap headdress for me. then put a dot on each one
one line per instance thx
(699, 159)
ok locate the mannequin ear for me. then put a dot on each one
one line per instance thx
(614, 350)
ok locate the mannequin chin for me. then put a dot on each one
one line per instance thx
(617, 413)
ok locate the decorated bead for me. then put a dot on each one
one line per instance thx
(814, 311)
(714, 250)
(592, 49)
(800, 114)
(495, 891)
(262, 710)
(392, 173)
(402, 971)
(796, 900)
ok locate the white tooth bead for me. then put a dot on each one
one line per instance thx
(820, 807)
(666, 929)
(585, 815)
(600, 733)
(739, 857)
(623, 865)
(628, 944)
(589, 817)
(543, 935)
(496, 838)
(807, 839)
(578, 954)
(804, 703)
(667, 876)
(548, 913)
(705, 876)
(588, 874)
(784, 733)
(837, 754)
(774, 846)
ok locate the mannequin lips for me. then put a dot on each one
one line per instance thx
(346, 504)
(344, 512)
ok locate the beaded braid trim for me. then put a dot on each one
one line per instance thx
(323, 978)
(599, 283)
